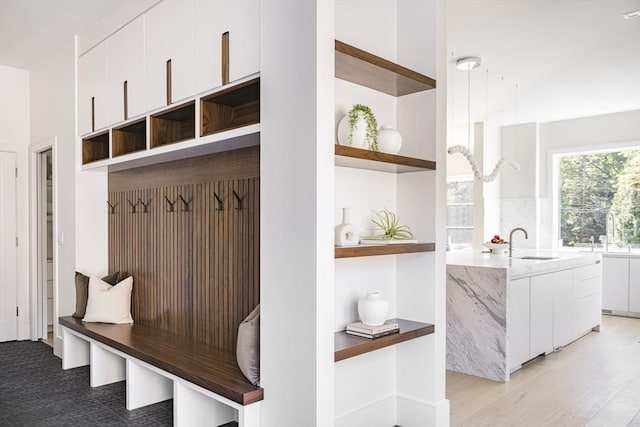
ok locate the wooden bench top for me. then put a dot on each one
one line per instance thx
(201, 364)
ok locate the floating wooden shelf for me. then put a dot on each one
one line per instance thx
(129, 138)
(230, 108)
(373, 250)
(377, 161)
(363, 68)
(95, 147)
(347, 346)
(174, 125)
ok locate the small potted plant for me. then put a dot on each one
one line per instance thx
(388, 224)
(362, 128)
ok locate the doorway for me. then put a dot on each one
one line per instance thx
(8, 248)
(45, 246)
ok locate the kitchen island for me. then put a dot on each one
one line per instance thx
(502, 312)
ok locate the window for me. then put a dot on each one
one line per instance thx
(460, 214)
(596, 188)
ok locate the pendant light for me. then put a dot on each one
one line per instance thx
(467, 64)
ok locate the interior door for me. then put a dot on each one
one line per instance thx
(8, 303)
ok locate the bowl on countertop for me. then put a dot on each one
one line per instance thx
(497, 248)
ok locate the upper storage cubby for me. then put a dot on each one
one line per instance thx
(363, 68)
(231, 108)
(129, 138)
(174, 125)
(95, 147)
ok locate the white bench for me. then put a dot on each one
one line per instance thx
(205, 383)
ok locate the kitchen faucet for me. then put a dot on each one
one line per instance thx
(526, 236)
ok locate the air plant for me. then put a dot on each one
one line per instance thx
(388, 222)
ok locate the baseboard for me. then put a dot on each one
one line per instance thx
(428, 414)
(380, 413)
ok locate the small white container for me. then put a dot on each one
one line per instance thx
(373, 309)
(346, 234)
(389, 140)
(359, 132)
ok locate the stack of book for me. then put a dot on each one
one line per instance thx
(361, 330)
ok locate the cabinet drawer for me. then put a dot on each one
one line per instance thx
(588, 272)
(587, 314)
(587, 287)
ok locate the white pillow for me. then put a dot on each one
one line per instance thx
(109, 304)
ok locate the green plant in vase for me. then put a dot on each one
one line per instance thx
(371, 137)
(389, 223)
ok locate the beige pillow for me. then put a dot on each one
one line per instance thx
(109, 304)
(82, 285)
(248, 346)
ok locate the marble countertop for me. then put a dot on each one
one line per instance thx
(524, 267)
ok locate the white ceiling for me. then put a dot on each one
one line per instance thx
(569, 58)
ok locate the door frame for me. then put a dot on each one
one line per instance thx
(12, 285)
(37, 296)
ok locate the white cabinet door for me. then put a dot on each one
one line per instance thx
(563, 307)
(241, 18)
(92, 90)
(169, 35)
(541, 317)
(615, 283)
(518, 322)
(634, 285)
(126, 63)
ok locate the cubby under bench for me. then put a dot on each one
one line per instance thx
(205, 383)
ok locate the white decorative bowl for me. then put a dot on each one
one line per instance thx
(496, 248)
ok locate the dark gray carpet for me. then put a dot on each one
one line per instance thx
(35, 391)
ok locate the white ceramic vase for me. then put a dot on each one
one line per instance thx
(346, 234)
(389, 140)
(359, 132)
(373, 309)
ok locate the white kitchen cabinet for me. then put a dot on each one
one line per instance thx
(634, 285)
(241, 18)
(541, 314)
(587, 288)
(518, 322)
(92, 90)
(126, 64)
(169, 35)
(563, 308)
(615, 283)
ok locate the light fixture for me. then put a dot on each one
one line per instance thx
(467, 64)
(632, 14)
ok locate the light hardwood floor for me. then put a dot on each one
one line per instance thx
(594, 381)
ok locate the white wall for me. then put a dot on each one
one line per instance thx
(14, 137)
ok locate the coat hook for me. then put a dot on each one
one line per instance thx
(170, 204)
(133, 206)
(112, 208)
(145, 206)
(239, 200)
(219, 206)
(185, 204)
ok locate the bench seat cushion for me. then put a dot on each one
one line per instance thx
(204, 365)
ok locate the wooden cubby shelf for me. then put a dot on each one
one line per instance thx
(347, 346)
(392, 249)
(378, 161)
(174, 125)
(95, 147)
(129, 138)
(363, 68)
(230, 108)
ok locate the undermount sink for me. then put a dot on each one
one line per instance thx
(539, 258)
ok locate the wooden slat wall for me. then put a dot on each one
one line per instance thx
(196, 272)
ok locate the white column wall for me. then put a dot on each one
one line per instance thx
(296, 280)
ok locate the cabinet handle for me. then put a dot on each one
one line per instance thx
(93, 114)
(126, 99)
(225, 57)
(168, 81)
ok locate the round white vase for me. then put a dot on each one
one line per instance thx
(346, 234)
(373, 309)
(359, 139)
(389, 140)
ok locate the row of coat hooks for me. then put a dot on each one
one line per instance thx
(140, 206)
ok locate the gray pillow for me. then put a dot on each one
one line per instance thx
(248, 346)
(82, 290)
